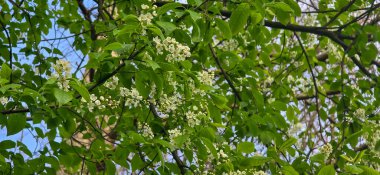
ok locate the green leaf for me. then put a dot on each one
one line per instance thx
(239, 18)
(34, 94)
(288, 143)
(209, 145)
(327, 170)
(110, 167)
(224, 28)
(282, 6)
(152, 64)
(246, 147)
(169, 6)
(353, 169)
(289, 170)
(368, 171)
(61, 96)
(7, 144)
(167, 26)
(255, 161)
(155, 30)
(82, 90)
(370, 53)
(15, 123)
(114, 46)
(294, 6)
(220, 101)
(5, 71)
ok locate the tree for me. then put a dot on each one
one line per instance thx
(202, 87)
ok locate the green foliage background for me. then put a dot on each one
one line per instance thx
(203, 87)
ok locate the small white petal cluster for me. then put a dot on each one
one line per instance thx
(99, 103)
(221, 154)
(238, 172)
(192, 118)
(173, 134)
(133, 96)
(113, 83)
(259, 173)
(206, 77)
(348, 119)
(3, 100)
(146, 18)
(229, 45)
(176, 51)
(195, 90)
(169, 103)
(222, 157)
(145, 130)
(326, 149)
(360, 113)
(271, 100)
(63, 73)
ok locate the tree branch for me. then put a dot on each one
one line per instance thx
(224, 73)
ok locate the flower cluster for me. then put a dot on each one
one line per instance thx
(173, 134)
(146, 18)
(192, 118)
(145, 130)
(113, 83)
(3, 100)
(259, 173)
(360, 114)
(238, 172)
(229, 45)
(176, 51)
(63, 73)
(326, 149)
(99, 103)
(206, 77)
(169, 103)
(221, 155)
(134, 98)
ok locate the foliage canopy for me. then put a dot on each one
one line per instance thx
(202, 87)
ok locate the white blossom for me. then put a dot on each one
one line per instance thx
(146, 131)
(113, 83)
(326, 149)
(229, 45)
(63, 73)
(206, 77)
(176, 51)
(3, 100)
(360, 113)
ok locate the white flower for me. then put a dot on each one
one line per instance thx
(360, 114)
(260, 173)
(271, 100)
(229, 45)
(173, 134)
(146, 131)
(177, 51)
(192, 118)
(3, 100)
(63, 73)
(144, 7)
(113, 83)
(326, 149)
(133, 96)
(206, 77)
(169, 103)
(221, 154)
